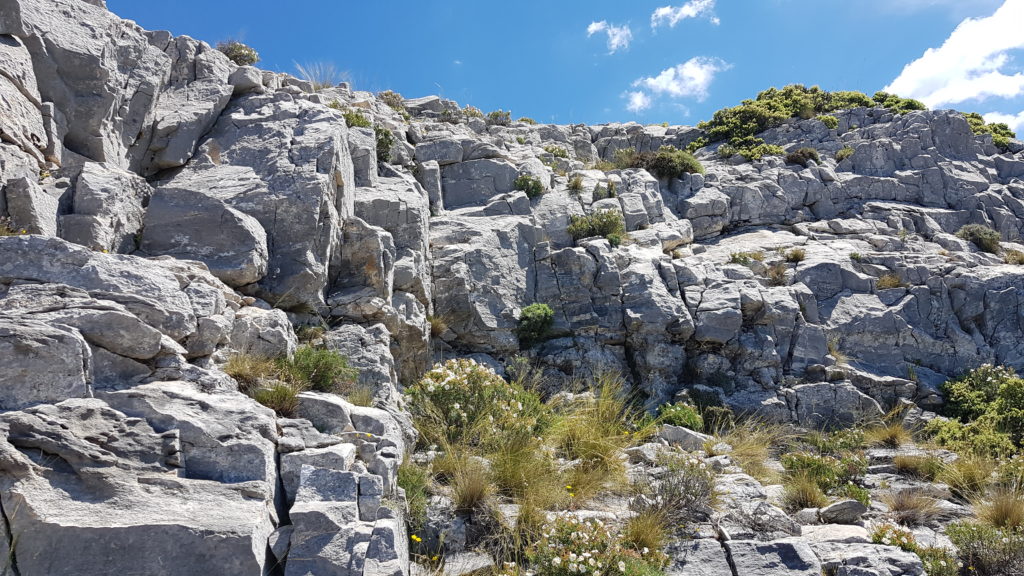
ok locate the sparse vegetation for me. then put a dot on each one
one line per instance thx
(1014, 257)
(802, 156)
(985, 238)
(415, 480)
(1003, 508)
(276, 383)
(606, 223)
(535, 322)
(321, 75)
(437, 326)
(239, 53)
(529, 184)
(8, 229)
(385, 142)
(576, 185)
(355, 119)
(802, 491)
(671, 162)
(988, 551)
(844, 153)
(680, 414)
(556, 151)
(910, 508)
(796, 255)
(499, 118)
(777, 274)
(746, 258)
(888, 281)
(923, 467)
(527, 120)
(1001, 133)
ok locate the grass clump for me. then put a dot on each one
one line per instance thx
(985, 238)
(802, 491)
(910, 508)
(1003, 508)
(1014, 257)
(889, 281)
(321, 369)
(671, 162)
(777, 274)
(535, 323)
(752, 443)
(529, 184)
(844, 153)
(355, 119)
(802, 156)
(415, 480)
(321, 75)
(968, 476)
(889, 434)
(576, 185)
(606, 223)
(1001, 133)
(277, 382)
(922, 467)
(238, 52)
(796, 255)
(680, 414)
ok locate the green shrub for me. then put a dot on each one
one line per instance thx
(526, 120)
(415, 480)
(355, 119)
(750, 147)
(323, 370)
(557, 151)
(829, 472)
(606, 223)
(602, 192)
(568, 544)
(535, 322)
(803, 155)
(576, 185)
(938, 561)
(629, 158)
(680, 414)
(896, 104)
(1001, 133)
(529, 184)
(830, 122)
(892, 535)
(473, 112)
(385, 142)
(238, 53)
(988, 551)
(671, 163)
(499, 118)
(978, 437)
(1008, 409)
(854, 492)
(802, 491)
(844, 153)
(971, 396)
(985, 238)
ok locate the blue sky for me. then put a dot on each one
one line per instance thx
(599, 61)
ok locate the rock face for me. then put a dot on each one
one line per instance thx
(171, 210)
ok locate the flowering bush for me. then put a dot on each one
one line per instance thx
(893, 535)
(461, 401)
(685, 493)
(680, 414)
(938, 561)
(830, 472)
(988, 551)
(569, 546)
(969, 396)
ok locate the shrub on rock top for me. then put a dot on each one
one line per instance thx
(680, 414)
(671, 163)
(385, 141)
(529, 184)
(607, 223)
(985, 238)
(239, 53)
(535, 322)
(499, 118)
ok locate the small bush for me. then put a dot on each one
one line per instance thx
(971, 396)
(746, 258)
(557, 151)
(535, 323)
(570, 546)
(415, 480)
(239, 53)
(680, 414)
(473, 112)
(844, 153)
(671, 163)
(393, 99)
(855, 492)
(922, 467)
(830, 122)
(802, 156)
(281, 397)
(889, 281)
(892, 535)
(750, 148)
(499, 118)
(606, 223)
(777, 275)
(685, 493)
(529, 184)
(323, 370)
(646, 530)
(1015, 257)
(1001, 133)
(988, 551)
(1003, 508)
(802, 491)
(385, 142)
(938, 561)
(602, 192)
(985, 238)
(527, 120)
(909, 508)
(829, 472)
(355, 119)
(796, 255)
(896, 104)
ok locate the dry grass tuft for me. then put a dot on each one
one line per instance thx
(909, 508)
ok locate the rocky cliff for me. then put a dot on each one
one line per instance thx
(166, 209)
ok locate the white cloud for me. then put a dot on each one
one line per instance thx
(1014, 121)
(690, 79)
(619, 37)
(672, 15)
(638, 101)
(970, 63)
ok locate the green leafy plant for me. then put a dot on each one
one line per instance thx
(355, 119)
(606, 223)
(671, 162)
(499, 118)
(535, 323)
(985, 238)
(988, 551)
(556, 151)
(830, 122)
(680, 414)
(844, 153)
(896, 104)
(529, 184)
(1001, 133)
(238, 53)
(385, 142)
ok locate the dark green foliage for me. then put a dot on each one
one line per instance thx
(499, 118)
(671, 163)
(239, 53)
(529, 184)
(355, 119)
(385, 141)
(830, 122)
(750, 147)
(988, 405)
(896, 104)
(985, 238)
(607, 223)
(535, 322)
(680, 414)
(802, 155)
(1001, 133)
(324, 370)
